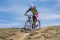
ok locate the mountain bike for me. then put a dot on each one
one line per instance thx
(30, 25)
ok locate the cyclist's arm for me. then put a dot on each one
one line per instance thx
(27, 11)
(35, 9)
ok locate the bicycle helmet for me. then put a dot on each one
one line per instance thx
(31, 5)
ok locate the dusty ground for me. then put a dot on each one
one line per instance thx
(12, 34)
(48, 33)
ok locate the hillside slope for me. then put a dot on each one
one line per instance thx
(12, 34)
(48, 33)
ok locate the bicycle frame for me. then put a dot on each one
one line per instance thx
(29, 23)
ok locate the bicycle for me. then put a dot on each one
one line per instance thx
(29, 23)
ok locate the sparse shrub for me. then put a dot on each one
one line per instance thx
(29, 38)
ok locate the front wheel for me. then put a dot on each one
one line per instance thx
(28, 26)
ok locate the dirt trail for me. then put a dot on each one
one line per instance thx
(21, 36)
(34, 35)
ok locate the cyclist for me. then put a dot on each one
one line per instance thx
(34, 12)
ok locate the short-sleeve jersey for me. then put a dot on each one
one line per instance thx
(32, 10)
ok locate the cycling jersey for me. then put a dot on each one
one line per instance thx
(32, 10)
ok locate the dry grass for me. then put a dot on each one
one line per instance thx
(48, 33)
(8, 32)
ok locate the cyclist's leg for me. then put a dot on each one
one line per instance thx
(37, 14)
(32, 24)
(34, 20)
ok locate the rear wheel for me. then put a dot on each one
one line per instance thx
(37, 25)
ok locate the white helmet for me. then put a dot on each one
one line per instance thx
(31, 5)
